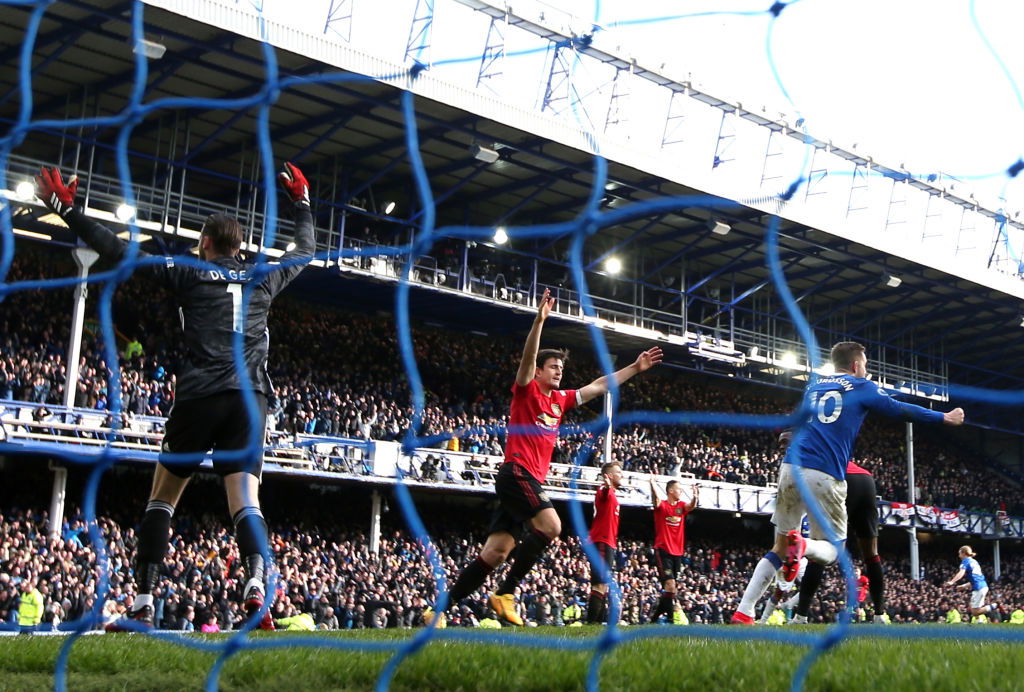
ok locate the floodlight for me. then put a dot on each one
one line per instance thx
(719, 228)
(125, 212)
(482, 153)
(151, 49)
(25, 191)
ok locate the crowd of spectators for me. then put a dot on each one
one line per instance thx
(328, 572)
(337, 373)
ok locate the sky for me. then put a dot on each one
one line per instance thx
(910, 82)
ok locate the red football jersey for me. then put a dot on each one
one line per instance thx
(669, 521)
(605, 528)
(853, 468)
(862, 588)
(533, 426)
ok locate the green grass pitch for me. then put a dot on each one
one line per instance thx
(135, 662)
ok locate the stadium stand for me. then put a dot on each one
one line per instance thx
(332, 381)
(328, 570)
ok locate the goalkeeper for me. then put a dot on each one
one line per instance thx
(209, 410)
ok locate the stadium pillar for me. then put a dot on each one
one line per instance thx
(682, 298)
(84, 258)
(60, 482)
(608, 432)
(375, 501)
(997, 568)
(915, 569)
(464, 274)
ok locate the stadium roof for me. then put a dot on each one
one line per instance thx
(349, 138)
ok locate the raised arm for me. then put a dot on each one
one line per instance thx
(295, 260)
(655, 497)
(879, 402)
(528, 363)
(694, 492)
(645, 361)
(60, 198)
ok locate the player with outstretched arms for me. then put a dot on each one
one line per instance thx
(537, 409)
(604, 534)
(669, 540)
(837, 405)
(970, 568)
(209, 410)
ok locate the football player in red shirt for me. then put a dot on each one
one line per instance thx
(604, 533)
(669, 538)
(862, 592)
(537, 409)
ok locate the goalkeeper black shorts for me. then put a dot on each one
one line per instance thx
(219, 422)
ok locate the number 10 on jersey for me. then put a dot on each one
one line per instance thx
(826, 406)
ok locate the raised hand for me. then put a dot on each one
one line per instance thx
(294, 183)
(545, 305)
(55, 194)
(648, 359)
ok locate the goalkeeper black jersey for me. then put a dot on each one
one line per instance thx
(210, 305)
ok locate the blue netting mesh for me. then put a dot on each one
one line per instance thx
(590, 221)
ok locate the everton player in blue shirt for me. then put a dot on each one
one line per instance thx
(976, 581)
(837, 406)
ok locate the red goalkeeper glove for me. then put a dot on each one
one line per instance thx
(295, 184)
(54, 193)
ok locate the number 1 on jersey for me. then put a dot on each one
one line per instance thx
(236, 307)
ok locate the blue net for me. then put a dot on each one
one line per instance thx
(592, 219)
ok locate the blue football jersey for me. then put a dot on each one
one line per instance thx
(973, 570)
(837, 406)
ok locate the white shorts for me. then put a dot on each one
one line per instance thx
(978, 597)
(829, 493)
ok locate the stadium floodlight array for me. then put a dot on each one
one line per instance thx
(589, 221)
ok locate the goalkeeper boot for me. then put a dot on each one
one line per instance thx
(794, 553)
(504, 606)
(139, 620)
(253, 601)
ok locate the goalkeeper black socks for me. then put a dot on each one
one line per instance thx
(147, 576)
(876, 583)
(809, 586)
(154, 535)
(527, 554)
(469, 580)
(251, 535)
(596, 606)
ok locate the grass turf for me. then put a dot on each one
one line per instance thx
(135, 662)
